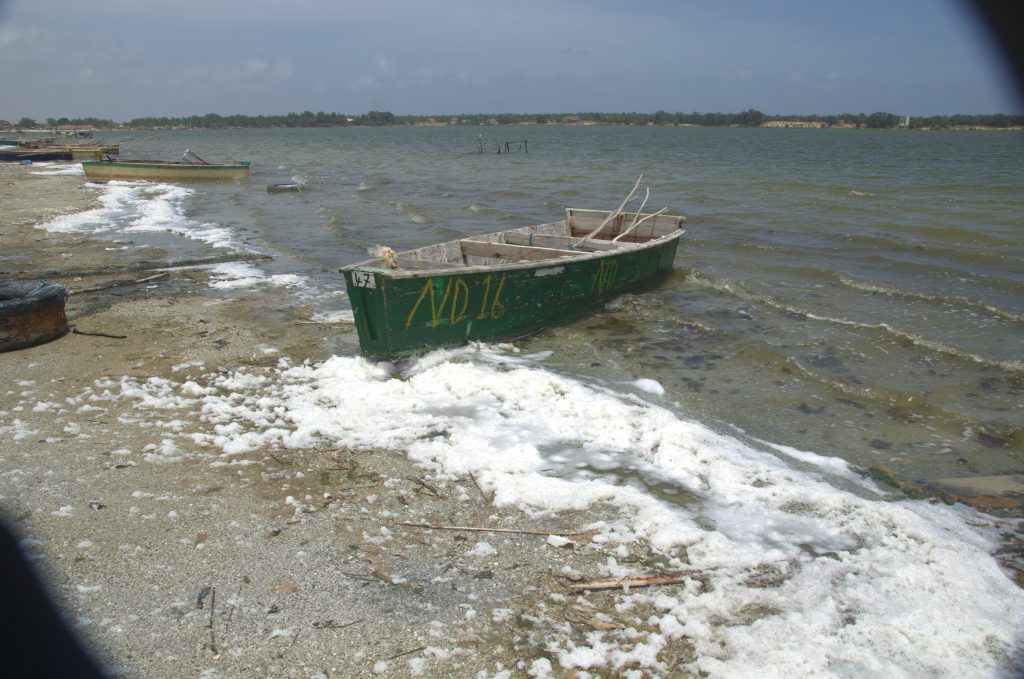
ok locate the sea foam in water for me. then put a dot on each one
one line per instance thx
(138, 207)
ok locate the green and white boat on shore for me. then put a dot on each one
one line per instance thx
(190, 167)
(508, 284)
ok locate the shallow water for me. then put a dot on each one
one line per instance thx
(855, 293)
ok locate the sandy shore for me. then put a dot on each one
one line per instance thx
(169, 565)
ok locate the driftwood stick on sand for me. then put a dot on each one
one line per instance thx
(213, 634)
(231, 611)
(427, 487)
(138, 266)
(409, 652)
(486, 496)
(431, 526)
(330, 624)
(118, 284)
(633, 581)
(76, 331)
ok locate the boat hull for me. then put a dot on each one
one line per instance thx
(157, 171)
(92, 152)
(400, 316)
(31, 313)
(34, 155)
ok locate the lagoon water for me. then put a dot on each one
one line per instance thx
(856, 293)
(843, 299)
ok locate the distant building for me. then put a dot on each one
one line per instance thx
(794, 123)
(75, 130)
(571, 120)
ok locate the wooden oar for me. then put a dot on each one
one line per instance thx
(611, 215)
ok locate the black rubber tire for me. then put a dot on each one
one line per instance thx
(31, 313)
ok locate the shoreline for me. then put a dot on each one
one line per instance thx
(328, 562)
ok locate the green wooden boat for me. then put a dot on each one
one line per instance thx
(508, 284)
(189, 167)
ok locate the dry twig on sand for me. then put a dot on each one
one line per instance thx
(118, 284)
(431, 526)
(633, 581)
(76, 331)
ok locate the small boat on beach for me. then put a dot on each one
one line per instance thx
(92, 151)
(56, 152)
(507, 284)
(35, 155)
(190, 167)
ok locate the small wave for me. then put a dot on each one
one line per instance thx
(414, 214)
(760, 248)
(917, 340)
(481, 209)
(876, 240)
(134, 207)
(959, 302)
(372, 184)
(728, 287)
(334, 217)
(993, 254)
(956, 236)
(902, 404)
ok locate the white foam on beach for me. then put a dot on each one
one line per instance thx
(332, 317)
(234, 275)
(59, 169)
(139, 207)
(861, 586)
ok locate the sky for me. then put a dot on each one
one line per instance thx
(122, 59)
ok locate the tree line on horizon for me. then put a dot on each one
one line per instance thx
(749, 118)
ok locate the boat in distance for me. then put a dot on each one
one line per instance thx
(509, 284)
(189, 167)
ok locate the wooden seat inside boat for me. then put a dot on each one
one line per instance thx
(511, 252)
(581, 232)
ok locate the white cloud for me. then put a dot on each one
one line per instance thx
(253, 72)
(386, 68)
(737, 75)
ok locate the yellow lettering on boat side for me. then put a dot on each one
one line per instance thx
(456, 294)
(426, 288)
(605, 278)
(496, 304)
(459, 285)
(483, 304)
(435, 312)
